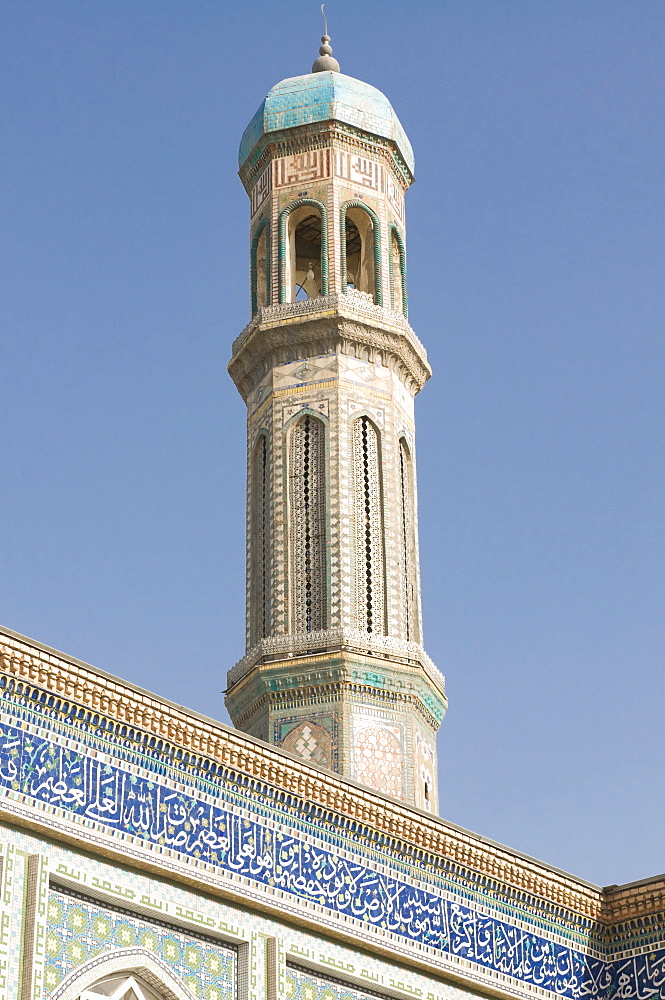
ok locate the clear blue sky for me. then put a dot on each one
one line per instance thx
(535, 243)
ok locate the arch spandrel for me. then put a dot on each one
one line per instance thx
(127, 974)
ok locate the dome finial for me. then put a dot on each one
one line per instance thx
(325, 62)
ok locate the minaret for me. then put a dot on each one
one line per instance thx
(335, 669)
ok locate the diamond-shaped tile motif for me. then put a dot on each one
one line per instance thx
(304, 373)
(306, 744)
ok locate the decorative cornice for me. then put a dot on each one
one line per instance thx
(344, 324)
(319, 135)
(626, 902)
(259, 694)
(337, 640)
(25, 660)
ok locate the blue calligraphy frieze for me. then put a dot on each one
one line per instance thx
(156, 814)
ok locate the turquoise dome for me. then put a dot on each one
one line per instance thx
(319, 97)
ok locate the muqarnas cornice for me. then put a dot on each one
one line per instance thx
(341, 679)
(329, 324)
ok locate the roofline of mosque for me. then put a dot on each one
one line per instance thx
(404, 827)
(321, 772)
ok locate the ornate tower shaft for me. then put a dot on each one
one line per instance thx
(329, 367)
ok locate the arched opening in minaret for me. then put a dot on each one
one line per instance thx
(370, 587)
(359, 245)
(260, 266)
(398, 299)
(305, 254)
(307, 525)
(407, 543)
(302, 257)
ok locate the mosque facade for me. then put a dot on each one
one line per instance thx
(150, 853)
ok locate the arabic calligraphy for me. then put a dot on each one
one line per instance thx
(146, 807)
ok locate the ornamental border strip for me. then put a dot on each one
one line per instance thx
(450, 928)
(67, 680)
(449, 875)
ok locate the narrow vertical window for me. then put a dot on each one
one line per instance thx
(370, 585)
(408, 546)
(307, 527)
(260, 266)
(260, 542)
(397, 261)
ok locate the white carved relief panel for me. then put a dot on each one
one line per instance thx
(402, 396)
(298, 372)
(260, 393)
(395, 197)
(365, 373)
(292, 407)
(302, 168)
(261, 190)
(358, 170)
(377, 750)
(358, 407)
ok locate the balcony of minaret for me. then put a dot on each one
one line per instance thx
(348, 322)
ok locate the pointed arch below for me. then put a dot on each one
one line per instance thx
(260, 272)
(132, 963)
(120, 987)
(398, 295)
(356, 203)
(260, 547)
(370, 584)
(408, 544)
(283, 248)
(307, 507)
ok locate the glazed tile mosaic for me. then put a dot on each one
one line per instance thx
(145, 807)
(79, 929)
(302, 984)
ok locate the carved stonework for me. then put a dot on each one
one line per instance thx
(266, 345)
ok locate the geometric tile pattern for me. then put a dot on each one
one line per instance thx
(80, 929)
(368, 894)
(302, 984)
(311, 742)
(378, 754)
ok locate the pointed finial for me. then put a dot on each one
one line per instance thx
(325, 62)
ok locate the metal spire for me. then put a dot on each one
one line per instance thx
(325, 63)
